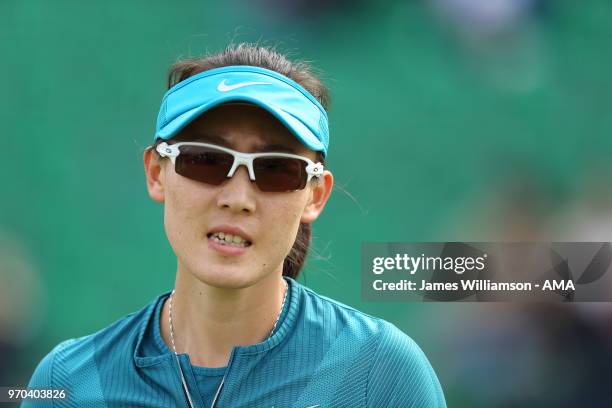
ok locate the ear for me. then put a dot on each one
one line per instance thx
(319, 194)
(155, 176)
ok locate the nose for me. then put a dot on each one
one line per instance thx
(238, 193)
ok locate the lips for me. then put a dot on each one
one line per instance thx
(230, 235)
(227, 240)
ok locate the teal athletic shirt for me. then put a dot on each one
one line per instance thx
(323, 354)
(208, 379)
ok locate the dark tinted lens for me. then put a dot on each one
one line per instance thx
(276, 174)
(203, 164)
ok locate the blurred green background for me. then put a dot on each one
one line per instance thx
(461, 120)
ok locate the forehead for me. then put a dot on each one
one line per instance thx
(244, 127)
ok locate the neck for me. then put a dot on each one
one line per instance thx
(209, 321)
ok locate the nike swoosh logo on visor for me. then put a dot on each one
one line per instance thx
(222, 87)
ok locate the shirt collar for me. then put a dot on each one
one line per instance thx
(286, 327)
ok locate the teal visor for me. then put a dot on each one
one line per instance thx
(289, 102)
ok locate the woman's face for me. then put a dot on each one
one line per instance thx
(195, 211)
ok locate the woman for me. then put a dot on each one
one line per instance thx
(238, 163)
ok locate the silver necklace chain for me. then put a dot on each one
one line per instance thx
(223, 379)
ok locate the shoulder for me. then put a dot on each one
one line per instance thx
(79, 356)
(401, 375)
(335, 315)
(399, 372)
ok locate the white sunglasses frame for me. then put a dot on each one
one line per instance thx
(172, 152)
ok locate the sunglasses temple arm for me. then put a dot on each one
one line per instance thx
(166, 150)
(314, 170)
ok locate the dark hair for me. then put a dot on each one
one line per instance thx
(263, 57)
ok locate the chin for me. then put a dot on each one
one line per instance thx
(227, 277)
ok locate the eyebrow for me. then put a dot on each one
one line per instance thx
(266, 147)
(274, 147)
(211, 138)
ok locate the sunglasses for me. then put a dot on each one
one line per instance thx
(212, 164)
